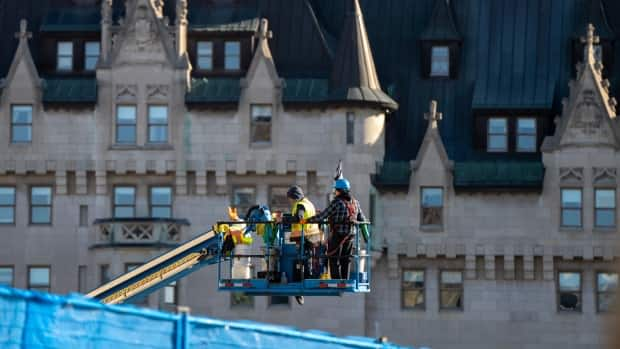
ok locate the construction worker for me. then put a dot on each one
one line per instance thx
(302, 209)
(341, 213)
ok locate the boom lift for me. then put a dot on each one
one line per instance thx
(279, 267)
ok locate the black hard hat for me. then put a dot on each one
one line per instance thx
(295, 192)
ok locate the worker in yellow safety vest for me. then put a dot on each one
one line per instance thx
(301, 210)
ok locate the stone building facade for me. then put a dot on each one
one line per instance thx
(187, 110)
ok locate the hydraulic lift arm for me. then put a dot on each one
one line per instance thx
(160, 271)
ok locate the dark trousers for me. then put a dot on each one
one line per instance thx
(339, 256)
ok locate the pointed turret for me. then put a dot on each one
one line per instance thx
(354, 78)
(589, 112)
(441, 25)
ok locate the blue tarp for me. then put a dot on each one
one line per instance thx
(36, 320)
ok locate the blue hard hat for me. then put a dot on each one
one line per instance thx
(342, 184)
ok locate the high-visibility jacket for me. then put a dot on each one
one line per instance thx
(309, 211)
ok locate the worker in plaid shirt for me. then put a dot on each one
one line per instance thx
(341, 213)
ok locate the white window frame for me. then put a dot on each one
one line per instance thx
(59, 56)
(437, 67)
(518, 147)
(490, 134)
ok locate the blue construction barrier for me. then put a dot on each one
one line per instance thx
(36, 320)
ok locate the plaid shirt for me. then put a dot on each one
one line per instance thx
(338, 214)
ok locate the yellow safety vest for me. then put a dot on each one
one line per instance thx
(309, 229)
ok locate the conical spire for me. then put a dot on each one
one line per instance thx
(354, 78)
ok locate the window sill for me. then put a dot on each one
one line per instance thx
(148, 146)
(606, 230)
(260, 145)
(20, 144)
(431, 228)
(571, 229)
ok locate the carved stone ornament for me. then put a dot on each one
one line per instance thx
(604, 175)
(571, 174)
(126, 92)
(143, 28)
(156, 92)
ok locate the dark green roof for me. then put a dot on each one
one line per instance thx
(392, 175)
(76, 19)
(69, 90)
(223, 17)
(305, 90)
(499, 174)
(441, 24)
(213, 90)
(525, 94)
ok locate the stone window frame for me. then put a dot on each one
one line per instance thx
(117, 124)
(280, 305)
(87, 55)
(253, 123)
(440, 287)
(598, 292)
(580, 226)
(489, 134)
(104, 273)
(114, 205)
(518, 135)
(242, 305)
(350, 128)
(30, 124)
(232, 197)
(198, 56)
(38, 287)
(613, 209)
(31, 206)
(270, 190)
(144, 301)
(14, 206)
(558, 291)
(432, 227)
(436, 73)
(149, 123)
(12, 268)
(237, 55)
(58, 56)
(150, 199)
(82, 279)
(421, 307)
(174, 288)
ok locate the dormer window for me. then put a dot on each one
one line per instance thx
(64, 56)
(526, 135)
(232, 55)
(440, 61)
(205, 55)
(510, 132)
(91, 55)
(497, 135)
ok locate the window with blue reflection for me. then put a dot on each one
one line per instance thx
(41, 205)
(571, 207)
(124, 202)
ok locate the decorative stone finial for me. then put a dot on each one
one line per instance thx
(181, 12)
(106, 11)
(433, 116)
(263, 31)
(23, 33)
(590, 39)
